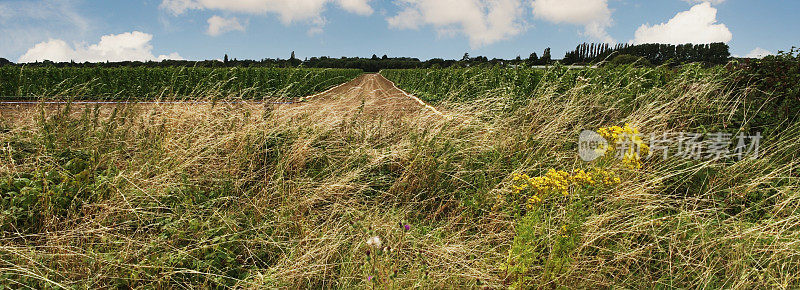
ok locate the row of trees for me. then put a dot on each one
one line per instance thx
(376, 63)
(655, 53)
(372, 64)
(714, 53)
(585, 53)
(532, 60)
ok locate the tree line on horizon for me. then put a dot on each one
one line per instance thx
(586, 53)
(373, 64)
(654, 53)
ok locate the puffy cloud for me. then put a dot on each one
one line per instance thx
(482, 21)
(289, 11)
(594, 15)
(356, 6)
(701, 1)
(218, 25)
(113, 47)
(698, 25)
(409, 18)
(758, 53)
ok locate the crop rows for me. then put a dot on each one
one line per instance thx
(460, 84)
(465, 84)
(168, 83)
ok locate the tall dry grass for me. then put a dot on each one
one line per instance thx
(233, 195)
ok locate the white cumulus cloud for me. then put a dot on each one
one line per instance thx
(356, 6)
(127, 46)
(758, 53)
(483, 22)
(701, 1)
(593, 15)
(698, 25)
(218, 25)
(289, 11)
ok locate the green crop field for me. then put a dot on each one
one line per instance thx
(467, 84)
(144, 83)
(490, 194)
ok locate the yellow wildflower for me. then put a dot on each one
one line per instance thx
(580, 177)
(629, 135)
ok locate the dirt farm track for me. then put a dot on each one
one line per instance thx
(370, 93)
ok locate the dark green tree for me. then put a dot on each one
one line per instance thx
(546, 58)
(293, 61)
(533, 59)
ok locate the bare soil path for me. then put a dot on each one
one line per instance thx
(372, 93)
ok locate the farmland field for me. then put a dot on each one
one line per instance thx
(364, 186)
(174, 83)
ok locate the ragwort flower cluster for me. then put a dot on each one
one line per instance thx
(625, 143)
(558, 183)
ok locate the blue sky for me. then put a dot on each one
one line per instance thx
(84, 30)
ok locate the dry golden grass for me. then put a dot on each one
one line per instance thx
(235, 195)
